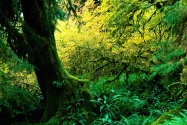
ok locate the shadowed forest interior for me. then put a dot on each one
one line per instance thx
(93, 62)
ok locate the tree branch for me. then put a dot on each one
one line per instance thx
(69, 76)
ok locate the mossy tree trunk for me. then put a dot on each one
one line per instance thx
(42, 53)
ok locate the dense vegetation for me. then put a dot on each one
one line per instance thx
(124, 62)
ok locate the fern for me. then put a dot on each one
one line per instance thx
(167, 60)
(107, 106)
(135, 119)
(174, 15)
(164, 69)
(177, 120)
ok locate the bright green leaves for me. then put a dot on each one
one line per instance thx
(164, 69)
(177, 120)
(166, 59)
(174, 15)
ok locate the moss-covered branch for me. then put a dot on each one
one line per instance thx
(69, 76)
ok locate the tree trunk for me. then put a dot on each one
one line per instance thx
(39, 33)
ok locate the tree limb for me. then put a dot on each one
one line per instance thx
(69, 76)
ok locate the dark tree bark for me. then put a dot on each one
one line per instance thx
(42, 52)
(39, 33)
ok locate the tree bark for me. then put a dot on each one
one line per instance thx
(39, 33)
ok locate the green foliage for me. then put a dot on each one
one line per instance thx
(135, 119)
(74, 103)
(58, 84)
(113, 102)
(177, 120)
(19, 103)
(137, 78)
(19, 94)
(167, 62)
(53, 121)
(174, 15)
(171, 53)
(108, 108)
(78, 117)
(164, 69)
(122, 78)
(131, 50)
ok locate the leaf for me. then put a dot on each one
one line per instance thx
(96, 102)
(69, 107)
(125, 120)
(101, 108)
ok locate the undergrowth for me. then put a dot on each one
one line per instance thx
(20, 98)
(177, 120)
